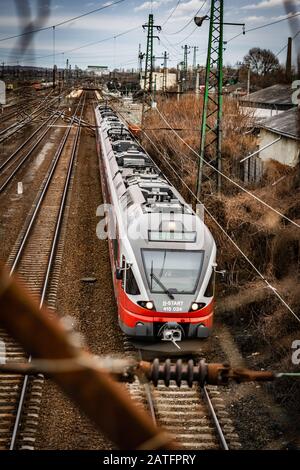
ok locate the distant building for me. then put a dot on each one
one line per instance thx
(158, 78)
(97, 70)
(269, 102)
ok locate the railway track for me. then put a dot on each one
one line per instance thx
(196, 417)
(11, 130)
(37, 257)
(12, 164)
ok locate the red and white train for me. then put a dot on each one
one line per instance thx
(162, 255)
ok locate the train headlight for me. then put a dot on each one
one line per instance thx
(196, 306)
(147, 304)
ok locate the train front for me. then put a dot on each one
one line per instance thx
(167, 285)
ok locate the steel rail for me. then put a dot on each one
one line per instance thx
(27, 155)
(219, 430)
(18, 126)
(53, 248)
(15, 152)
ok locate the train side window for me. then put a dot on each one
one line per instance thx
(131, 285)
(210, 290)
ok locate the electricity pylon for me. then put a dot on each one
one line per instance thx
(148, 79)
(184, 78)
(211, 129)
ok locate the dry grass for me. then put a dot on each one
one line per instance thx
(270, 242)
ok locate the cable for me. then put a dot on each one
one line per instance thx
(227, 177)
(286, 46)
(84, 45)
(64, 22)
(188, 36)
(274, 290)
(171, 14)
(189, 22)
(263, 26)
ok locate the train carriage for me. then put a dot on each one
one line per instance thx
(162, 254)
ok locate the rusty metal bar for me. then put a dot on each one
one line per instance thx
(104, 401)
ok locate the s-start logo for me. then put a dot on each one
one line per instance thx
(296, 353)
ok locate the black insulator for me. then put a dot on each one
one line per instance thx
(178, 372)
(190, 373)
(167, 372)
(155, 372)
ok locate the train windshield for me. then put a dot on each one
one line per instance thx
(173, 271)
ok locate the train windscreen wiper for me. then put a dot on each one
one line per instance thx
(158, 281)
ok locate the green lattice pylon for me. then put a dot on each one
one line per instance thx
(211, 128)
(148, 78)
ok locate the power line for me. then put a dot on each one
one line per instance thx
(63, 22)
(189, 22)
(286, 46)
(86, 45)
(171, 14)
(227, 177)
(273, 289)
(264, 26)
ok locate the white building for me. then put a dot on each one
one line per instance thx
(286, 127)
(158, 79)
(278, 140)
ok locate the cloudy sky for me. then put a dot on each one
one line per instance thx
(73, 39)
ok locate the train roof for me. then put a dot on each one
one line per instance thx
(144, 193)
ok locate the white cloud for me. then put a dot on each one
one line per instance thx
(155, 5)
(269, 4)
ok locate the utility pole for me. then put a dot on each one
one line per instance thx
(67, 70)
(195, 71)
(165, 76)
(196, 49)
(211, 127)
(148, 79)
(141, 58)
(210, 147)
(185, 66)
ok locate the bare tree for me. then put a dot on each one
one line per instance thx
(261, 61)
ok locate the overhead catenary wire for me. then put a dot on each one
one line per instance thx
(89, 44)
(61, 23)
(227, 177)
(286, 46)
(171, 14)
(272, 288)
(289, 17)
(189, 22)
